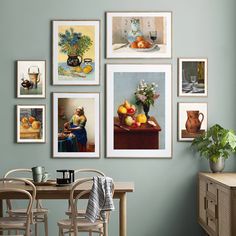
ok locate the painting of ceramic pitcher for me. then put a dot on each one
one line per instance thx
(194, 121)
(34, 75)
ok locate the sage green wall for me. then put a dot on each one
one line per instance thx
(164, 201)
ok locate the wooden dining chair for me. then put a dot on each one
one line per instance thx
(40, 214)
(13, 222)
(77, 223)
(78, 173)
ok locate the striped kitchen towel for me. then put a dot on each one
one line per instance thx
(100, 198)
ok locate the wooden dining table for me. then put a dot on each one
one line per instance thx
(54, 192)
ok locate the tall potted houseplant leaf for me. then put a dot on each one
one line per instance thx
(217, 144)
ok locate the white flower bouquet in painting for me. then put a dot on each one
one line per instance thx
(146, 95)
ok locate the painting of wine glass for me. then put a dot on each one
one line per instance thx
(193, 77)
(138, 34)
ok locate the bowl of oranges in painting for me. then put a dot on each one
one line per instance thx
(142, 45)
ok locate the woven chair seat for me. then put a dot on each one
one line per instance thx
(82, 224)
(12, 222)
(36, 211)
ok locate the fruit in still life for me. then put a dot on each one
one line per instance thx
(140, 42)
(129, 121)
(24, 120)
(136, 124)
(36, 124)
(141, 118)
(127, 105)
(122, 110)
(87, 69)
(31, 119)
(25, 125)
(30, 122)
(78, 69)
(130, 110)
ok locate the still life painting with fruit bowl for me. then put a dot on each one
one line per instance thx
(76, 49)
(30, 123)
(135, 118)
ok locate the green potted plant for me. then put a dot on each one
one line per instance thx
(217, 144)
(74, 44)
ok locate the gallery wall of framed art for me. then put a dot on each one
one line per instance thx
(139, 97)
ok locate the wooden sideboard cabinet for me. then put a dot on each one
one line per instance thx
(217, 203)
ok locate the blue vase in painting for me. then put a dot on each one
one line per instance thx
(135, 30)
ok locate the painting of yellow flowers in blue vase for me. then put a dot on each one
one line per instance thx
(76, 52)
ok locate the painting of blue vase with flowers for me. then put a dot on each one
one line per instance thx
(76, 52)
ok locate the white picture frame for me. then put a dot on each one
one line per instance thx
(64, 73)
(31, 122)
(119, 73)
(118, 28)
(195, 110)
(193, 77)
(90, 102)
(31, 78)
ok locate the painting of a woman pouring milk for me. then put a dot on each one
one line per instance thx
(76, 125)
(31, 79)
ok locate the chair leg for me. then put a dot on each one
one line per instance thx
(105, 226)
(46, 224)
(61, 232)
(36, 228)
(27, 231)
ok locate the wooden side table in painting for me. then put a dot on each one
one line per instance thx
(30, 133)
(143, 137)
(186, 134)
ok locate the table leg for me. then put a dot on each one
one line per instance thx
(1, 212)
(123, 216)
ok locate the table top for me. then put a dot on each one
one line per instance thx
(63, 192)
(143, 128)
(29, 130)
(122, 48)
(226, 179)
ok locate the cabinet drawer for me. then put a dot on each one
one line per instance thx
(212, 224)
(211, 206)
(212, 190)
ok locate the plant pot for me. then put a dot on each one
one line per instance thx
(73, 60)
(217, 166)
